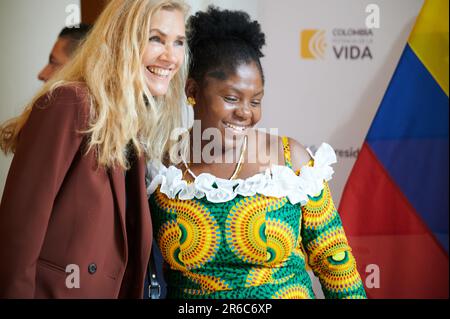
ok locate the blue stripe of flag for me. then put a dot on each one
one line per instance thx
(410, 138)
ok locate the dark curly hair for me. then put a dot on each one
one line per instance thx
(221, 40)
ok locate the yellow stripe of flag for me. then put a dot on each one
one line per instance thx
(430, 40)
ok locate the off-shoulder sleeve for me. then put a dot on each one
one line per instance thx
(329, 254)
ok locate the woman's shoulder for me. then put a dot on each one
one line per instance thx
(66, 100)
(299, 154)
(74, 91)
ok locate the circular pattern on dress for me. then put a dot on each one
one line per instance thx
(320, 210)
(199, 234)
(169, 243)
(340, 277)
(192, 238)
(292, 292)
(280, 241)
(208, 284)
(258, 276)
(246, 231)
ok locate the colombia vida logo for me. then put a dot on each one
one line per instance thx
(342, 44)
(313, 44)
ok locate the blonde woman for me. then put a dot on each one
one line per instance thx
(74, 218)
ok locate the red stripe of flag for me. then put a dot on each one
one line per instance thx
(384, 230)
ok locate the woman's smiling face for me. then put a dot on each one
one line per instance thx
(165, 51)
(231, 103)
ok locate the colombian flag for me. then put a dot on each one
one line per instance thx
(395, 206)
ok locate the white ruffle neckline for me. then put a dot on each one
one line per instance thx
(278, 181)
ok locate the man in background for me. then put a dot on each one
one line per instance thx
(67, 43)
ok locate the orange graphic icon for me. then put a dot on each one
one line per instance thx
(313, 44)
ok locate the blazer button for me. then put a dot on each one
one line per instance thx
(92, 268)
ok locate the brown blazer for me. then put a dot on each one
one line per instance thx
(59, 209)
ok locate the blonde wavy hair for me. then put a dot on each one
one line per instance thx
(123, 111)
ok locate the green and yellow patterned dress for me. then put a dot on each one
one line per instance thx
(253, 239)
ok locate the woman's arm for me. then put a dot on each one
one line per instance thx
(47, 146)
(324, 240)
(329, 253)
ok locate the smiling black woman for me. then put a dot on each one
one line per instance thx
(249, 228)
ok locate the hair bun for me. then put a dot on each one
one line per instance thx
(216, 24)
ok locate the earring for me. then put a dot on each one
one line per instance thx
(191, 101)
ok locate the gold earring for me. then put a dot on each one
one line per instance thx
(191, 101)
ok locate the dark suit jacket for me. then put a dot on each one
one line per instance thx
(59, 208)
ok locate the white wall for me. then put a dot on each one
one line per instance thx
(28, 30)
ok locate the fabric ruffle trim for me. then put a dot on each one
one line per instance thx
(279, 181)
